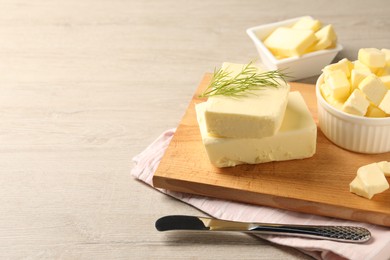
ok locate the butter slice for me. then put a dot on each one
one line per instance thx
(385, 167)
(307, 23)
(372, 179)
(373, 88)
(288, 42)
(356, 186)
(385, 103)
(372, 57)
(356, 103)
(326, 37)
(296, 139)
(255, 115)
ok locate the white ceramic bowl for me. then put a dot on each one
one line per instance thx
(305, 66)
(354, 133)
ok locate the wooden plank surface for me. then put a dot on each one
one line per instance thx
(317, 185)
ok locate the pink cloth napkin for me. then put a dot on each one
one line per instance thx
(377, 248)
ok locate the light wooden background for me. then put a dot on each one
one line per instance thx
(86, 85)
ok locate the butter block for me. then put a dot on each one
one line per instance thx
(357, 75)
(356, 186)
(296, 139)
(372, 57)
(307, 23)
(373, 88)
(338, 84)
(255, 115)
(374, 111)
(372, 178)
(288, 42)
(386, 81)
(387, 56)
(326, 38)
(385, 103)
(344, 65)
(356, 103)
(385, 167)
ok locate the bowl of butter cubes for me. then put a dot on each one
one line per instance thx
(300, 46)
(353, 99)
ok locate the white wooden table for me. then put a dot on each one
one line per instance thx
(86, 85)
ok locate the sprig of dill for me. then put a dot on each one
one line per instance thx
(249, 79)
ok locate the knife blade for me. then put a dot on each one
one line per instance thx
(351, 234)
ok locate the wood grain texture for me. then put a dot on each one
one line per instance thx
(318, 185)
(86, 85)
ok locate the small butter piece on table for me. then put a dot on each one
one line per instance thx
(296, 139)
(373, 88)
(356, 186)
(255, 115)
(288, 42)
(385, 167)
(373, 179)
(338, 84)
(356, 103)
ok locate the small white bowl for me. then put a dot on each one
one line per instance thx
(354, 133)
(304, 66)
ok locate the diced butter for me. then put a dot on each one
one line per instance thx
(326, 37)
(373, 88)
(356, 186)
(360, 66)
(338, 84)
(255, 115)
(385, 167)
(386, 81)
(307, 23)
(288, 42)
(296, 139)
(325, 91)
(372, 57)
(356, 103)
(374, 111)
(372, 178)
(385, 103)
(387, 56)
(357, 75)
(345, 65)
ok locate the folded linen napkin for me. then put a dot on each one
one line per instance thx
(378, 247)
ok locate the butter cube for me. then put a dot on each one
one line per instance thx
(387, 56)
(356, 186)
(345, 65)
(373, 88)
(338, 84)
(356, 103)
(360, 66)
(326, 37)
(256, 115)
(374, 111)
(325, 91)
(385, 103)
(307, 23)
(296, 139)
(385, 167)
(372, 179)
(357, 75)
(386, 80)
(288, 42)
(380, 72)
(372, 57)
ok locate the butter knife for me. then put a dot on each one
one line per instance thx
(351, 234)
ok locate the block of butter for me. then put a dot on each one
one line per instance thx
(296, 139)
(255, 115)
(370, 180)
(288, 42)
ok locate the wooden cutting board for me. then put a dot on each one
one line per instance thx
(318, 185)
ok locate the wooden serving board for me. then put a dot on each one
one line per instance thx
(318, 185)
